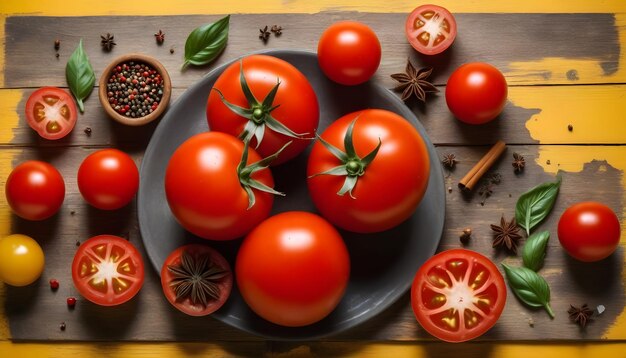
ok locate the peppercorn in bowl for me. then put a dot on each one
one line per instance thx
(134, 89)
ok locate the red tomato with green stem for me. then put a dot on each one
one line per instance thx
(368, 171)
(217, 187)
(293, 269)
(35, 190)
(108, 179)
(196, 279)
(458, 295)
(589, 231)
(266, 101)
(107, 270)
(430, 29)
(349, 52)
(476, 93)
(51, 112)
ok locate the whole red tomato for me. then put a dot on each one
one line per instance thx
(476, 93)
(293, 269)
(349, 52)
(458, 295)
(108, 179)
(387, 190)
(35, 190)
(292, 115)
(51, 112)
(107, 270)
(430, 29)
(589, 231)
(201, 269)
(204, 188)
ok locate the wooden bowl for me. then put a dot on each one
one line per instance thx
(138, 121)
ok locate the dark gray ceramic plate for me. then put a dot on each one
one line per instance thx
(383, 265)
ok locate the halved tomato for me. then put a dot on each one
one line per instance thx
(196, 279)
(458, 295)
(430, 29)
(107, 270)
(51, 112)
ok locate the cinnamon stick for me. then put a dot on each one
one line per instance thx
(473, 176)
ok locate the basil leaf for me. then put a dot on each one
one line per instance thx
(529, 287)
(206, 42)
(534, 205)
(535, 250)
(79, 75)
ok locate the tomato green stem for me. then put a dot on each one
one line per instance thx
(245, 173)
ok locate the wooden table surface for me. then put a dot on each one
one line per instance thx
(565, 64)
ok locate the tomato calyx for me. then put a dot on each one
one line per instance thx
(245, 173)
(352, 166)
(259, 113)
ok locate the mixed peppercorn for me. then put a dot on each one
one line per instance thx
(135, 89)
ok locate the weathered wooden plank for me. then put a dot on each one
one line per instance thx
(505, 40)
(35, 312)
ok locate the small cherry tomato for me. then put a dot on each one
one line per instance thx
(107, 270)
(21, 260)
(35, 190)
(458, 295)
(476, 93)
(108, 179)
(349, 52)
(430, 29)
(51, 112)
(202, 269)
(589, 231)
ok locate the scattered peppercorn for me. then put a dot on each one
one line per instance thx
(264, 34)
(277, 30)
(134, 89)
(57, 44)
(54, 284)
(71, 302)
(171, 50)
(77, 243)
(107, 42)
(466, 236)
(570, 127)
(62, 326)
(160, 37)
(56, 55)
(72, 212)
(449, 189)
(88, 131)
(548, 162)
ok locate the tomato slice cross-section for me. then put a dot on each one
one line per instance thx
(107, 270)
(458, 295)
(430, 29)
(51, 112)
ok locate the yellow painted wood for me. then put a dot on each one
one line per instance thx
(147, 7)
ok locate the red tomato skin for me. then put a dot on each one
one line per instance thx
(126, 250)
(349, 52)
(186, 306)
(63, 111)
(393, 184)
(299, 109)
(206, 196)
(293, 269)
(476, 93)
(589, 231)
(495, 294)
(411, 32)
(35, 190)
(108, 179)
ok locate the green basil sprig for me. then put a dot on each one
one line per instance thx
(534, 205)
(206, 42)
(535, 250)
(80, 76)
(529, 287)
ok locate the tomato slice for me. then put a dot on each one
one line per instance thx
(430, 29)
(205, 266)
(107, 270)
(51, 112)
(458, 295)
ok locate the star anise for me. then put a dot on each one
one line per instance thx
(160, 37)
(413, 82)
(277, 30)
(518, 162)
(580, 315)
(265, 34)
(197, 278)
(506, 235)
(449, 160)
(107, 42)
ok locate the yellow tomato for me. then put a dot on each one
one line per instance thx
(21, 260)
